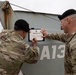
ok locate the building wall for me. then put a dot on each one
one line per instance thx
(51, 57)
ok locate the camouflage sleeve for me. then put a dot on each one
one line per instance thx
(73, 54)
(4, 32)
(31, 55)
(58, 36)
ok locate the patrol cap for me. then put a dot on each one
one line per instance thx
(21, 25)
(67, 13)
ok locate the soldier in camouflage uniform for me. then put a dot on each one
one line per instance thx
(68, 24)
(14, 51)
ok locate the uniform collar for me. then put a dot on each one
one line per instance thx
(71, 36)
(73, 32)
(18, 35)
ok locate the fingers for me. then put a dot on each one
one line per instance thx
(34, 41)
(43, 30)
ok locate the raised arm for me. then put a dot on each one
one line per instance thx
(55, 36)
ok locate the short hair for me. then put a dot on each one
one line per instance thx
(21, 24)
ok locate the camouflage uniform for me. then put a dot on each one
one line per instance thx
(70, 52)
(13, 52)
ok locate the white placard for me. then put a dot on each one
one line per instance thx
(35, 33)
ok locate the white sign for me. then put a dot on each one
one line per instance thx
(36, 33)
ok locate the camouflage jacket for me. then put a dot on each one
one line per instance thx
(13, 52)
(70, 52)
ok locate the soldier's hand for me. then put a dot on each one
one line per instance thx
(34, 41)
(44, 32)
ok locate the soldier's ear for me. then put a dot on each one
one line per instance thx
(68, 20)
(24, 32)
